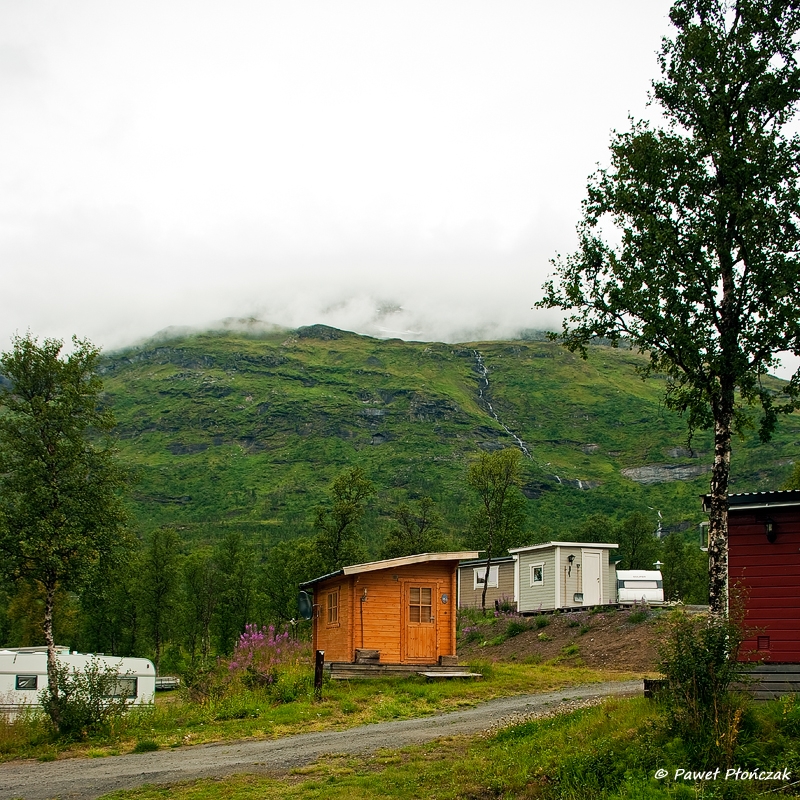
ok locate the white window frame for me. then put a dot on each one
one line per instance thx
(479, 572)
(540, 565)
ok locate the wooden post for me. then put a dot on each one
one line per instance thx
(319, 662)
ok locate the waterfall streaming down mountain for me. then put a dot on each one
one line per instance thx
(484, 385)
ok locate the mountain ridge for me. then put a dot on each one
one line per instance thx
(249, 428)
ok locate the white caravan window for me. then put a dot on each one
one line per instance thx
(479, 573)
(124, 687)
(537, 574)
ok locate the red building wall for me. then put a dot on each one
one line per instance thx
(770, 575)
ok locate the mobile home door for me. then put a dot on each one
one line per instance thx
(592, 583)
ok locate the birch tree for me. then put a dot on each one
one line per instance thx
(61, 513)
(702, 271)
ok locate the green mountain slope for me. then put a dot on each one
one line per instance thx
(228, 429)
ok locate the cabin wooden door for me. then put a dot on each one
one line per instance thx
(419, 623)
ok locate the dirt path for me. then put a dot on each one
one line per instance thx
(90, 778)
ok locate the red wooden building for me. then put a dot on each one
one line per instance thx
(401, 611)
(764, 558)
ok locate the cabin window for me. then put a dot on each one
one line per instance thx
(537, 574)
(24, 682)
(419, 604)
(333, 607)
(124, 686)
(479, 573)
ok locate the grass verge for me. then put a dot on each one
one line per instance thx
(253, 713)
(607, 752)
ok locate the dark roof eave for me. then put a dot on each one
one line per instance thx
(747, 500)
(310, 584)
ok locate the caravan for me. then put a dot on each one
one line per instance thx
(640, 586)
(23, 675)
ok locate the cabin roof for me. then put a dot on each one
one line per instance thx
(748, 500)
(596, 545)
(391, 563)
(476, 562)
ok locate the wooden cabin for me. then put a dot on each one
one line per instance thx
(564, 575)
(764, 559)
(500, 586)
(400, 611)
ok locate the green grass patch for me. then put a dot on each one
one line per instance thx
(606, 752)
(255, 712)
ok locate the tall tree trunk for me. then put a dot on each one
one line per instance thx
(486, 579)
(718, 516)
(52, 664)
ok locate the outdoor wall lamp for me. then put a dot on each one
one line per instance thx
(769, 530)
(570, 558)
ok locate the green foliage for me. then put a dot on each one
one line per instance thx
(685, 570)
(541, 621)
(145, 746)
(83, 703)
(697, 656)
(793, 481)
(415, 529)
(288, 564)
(236, 584)
(638, 546)
(515, 628)
(499, 519)
(337, 522)
(159, 585)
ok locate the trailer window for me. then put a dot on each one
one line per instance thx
(27, 682)
(124, 687)
(641, 585)
(537, 574)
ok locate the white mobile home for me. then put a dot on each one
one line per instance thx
(23, 675)
(640, 586)
(564, 575)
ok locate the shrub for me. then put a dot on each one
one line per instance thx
(541, 621)
(145, 746)
(471, 633)
(260, 653)
(698, 659)
(640, 615)
(84, 702)
(505, 604)
(515, 628)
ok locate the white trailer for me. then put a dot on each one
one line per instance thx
(23, 675)
(640, 586)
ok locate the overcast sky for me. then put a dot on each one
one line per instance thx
(394, 168)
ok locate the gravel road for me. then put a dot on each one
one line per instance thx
(90, 778)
